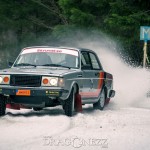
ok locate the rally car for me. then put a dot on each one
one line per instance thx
(44, 76)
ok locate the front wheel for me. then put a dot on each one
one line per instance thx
(69, 104)
(2, 106)
(101, 102)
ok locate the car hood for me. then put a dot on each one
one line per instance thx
(55, 71)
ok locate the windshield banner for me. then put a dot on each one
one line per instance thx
(50, 50)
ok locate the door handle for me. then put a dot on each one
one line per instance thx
(79, 75)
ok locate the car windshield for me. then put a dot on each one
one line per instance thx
(50, 58)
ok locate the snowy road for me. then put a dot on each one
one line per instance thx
(123, 125)
(126, 128)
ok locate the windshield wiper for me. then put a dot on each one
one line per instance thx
(55, 65)
(24, 64)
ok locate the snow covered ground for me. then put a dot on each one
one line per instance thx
(123, 125)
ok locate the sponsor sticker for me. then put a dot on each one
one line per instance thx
(50, 50)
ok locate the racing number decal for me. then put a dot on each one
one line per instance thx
(99, 87)
(23, 92)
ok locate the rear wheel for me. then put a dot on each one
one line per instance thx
(101, 102)
(69, 104)
(2, 105)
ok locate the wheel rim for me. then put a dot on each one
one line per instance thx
(102, 99)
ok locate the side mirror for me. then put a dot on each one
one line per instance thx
(86, 67)
(10, 64)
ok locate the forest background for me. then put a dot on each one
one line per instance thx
(49, 22)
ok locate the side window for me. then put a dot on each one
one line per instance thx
(94, 61)
(85, 61)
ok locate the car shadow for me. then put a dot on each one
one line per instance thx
(32, 113)
(55, 111)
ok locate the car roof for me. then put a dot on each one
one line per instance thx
(60, 47)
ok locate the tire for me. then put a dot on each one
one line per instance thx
(37, 108)
(69, 104)
(101, 102)
(2, 105)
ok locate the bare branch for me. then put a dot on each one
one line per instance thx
(54, 9)
(39, 22)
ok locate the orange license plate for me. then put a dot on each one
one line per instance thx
(23, 92)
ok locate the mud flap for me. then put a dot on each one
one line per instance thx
(16, 106)
(107, 101)
(13, 106)
(78, 103)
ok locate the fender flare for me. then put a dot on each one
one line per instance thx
(73, 85)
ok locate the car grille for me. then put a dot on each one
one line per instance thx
(25, 80)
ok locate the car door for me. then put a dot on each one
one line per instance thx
(97, 75)
(87, 75)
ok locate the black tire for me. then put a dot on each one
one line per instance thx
(69, 104)
(37, 108)
(2, 105)
(101, 102)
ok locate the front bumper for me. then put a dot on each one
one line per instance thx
(50, 92)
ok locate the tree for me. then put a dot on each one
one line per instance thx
(24, 22)
(120, 18)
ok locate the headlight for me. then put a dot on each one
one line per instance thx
(4, 79)
(45, 81)
(1, 79)
(52, 81)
